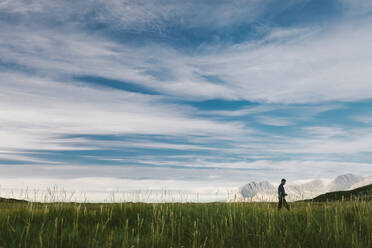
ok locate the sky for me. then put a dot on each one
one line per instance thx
(197, 97)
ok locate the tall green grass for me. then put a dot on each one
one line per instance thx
(340, 224)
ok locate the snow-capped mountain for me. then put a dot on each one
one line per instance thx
(344, 182)
(261, 191)
(305, 190)
(266, 191)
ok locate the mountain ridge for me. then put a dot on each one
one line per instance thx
(266, 191)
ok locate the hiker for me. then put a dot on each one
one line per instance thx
(282, 195)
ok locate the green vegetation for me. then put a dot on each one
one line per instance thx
(329, 224)
(362, 193)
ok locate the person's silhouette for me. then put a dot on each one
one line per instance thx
(282, 195)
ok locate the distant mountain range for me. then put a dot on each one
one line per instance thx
(266, 191)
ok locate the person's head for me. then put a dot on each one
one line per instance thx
(283, 181)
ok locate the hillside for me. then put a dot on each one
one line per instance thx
(364, 193)
(11, 200)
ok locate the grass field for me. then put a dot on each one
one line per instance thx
(336, 224)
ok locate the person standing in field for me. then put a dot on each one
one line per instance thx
(282, 195)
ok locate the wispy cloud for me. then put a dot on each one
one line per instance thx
(183, 89)
(274, 121)
(52, 107)
(315, 68)
(363, 118)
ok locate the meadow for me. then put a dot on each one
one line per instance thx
(329, 224)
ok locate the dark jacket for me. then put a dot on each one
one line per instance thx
(281, 191)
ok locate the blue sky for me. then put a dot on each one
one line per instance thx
(184, 94)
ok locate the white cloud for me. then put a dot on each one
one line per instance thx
(138, 16)
(325, 132)
(301, 112)
(315, 65)
(306, 66)
(363, 118)
(274, 121)
(34, 111)
(325, 66)
(243, 111)
(357, 8)
(337, 141)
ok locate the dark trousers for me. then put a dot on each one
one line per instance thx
(282, 202)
